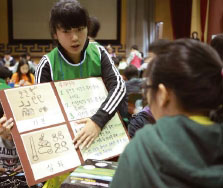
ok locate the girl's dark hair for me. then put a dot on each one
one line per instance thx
(94, 27)
(131, 72)
(193, 71)
(217, 44)
(68, 14)
(195, 32)
(135, 47)
(5, 73)
(22, 62)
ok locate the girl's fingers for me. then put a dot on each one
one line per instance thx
(8, 124)
(86, 142)
(3, 119)
(80, 140)
(81, 121)
(90, 142)
(77, 137)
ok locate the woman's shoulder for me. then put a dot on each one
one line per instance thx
(14, 75)
(164, 124)
(32, 75)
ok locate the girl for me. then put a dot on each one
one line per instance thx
(76, 57)
(184, 148)
(135, 57)
(23, 76)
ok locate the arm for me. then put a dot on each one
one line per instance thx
(116, 90)
(5, 127)
(116, 96)
(43, 71)
(32, 79)
(14, 78)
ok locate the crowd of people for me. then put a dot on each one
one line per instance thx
(176, 134)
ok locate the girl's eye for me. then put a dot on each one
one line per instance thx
(66, 31)
(80, 28)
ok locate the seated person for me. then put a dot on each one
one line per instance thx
(11, 173)
(23, 76)
(1, 61)
(9, 159)
(139, 120)
(132, 80)
(122, 63)
(194, 35)
(184, 147)
(135, 57)
(94, 28)
(153, 49)
(217, 44)
(32, 64)
(5, 75)
(8, 60)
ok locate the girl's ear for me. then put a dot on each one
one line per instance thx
(55, 36)
(163, 95)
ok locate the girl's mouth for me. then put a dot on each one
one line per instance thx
(75, 46)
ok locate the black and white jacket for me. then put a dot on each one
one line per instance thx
(113, 81)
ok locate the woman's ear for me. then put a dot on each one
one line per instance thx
(163, 95)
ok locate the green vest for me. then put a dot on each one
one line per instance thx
(90, 66)
(3, 84)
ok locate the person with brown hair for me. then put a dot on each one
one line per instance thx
(217, 44)
(184, 148)
(23, 75)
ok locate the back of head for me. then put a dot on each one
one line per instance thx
(131, 72)
(156, 46)
(23, 56)
(217, 44)
(193, 71)
(94, 27)
(68, 14)
(134, 47)
(5, 73)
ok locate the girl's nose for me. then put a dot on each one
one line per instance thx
(74, 36)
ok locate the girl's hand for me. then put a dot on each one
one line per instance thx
(18, 169)
(21, 82)
(5, 127)
(2, 169)
(88, 134)
(26, 83)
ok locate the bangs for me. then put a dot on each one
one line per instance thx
(71, 19)
(69, 16)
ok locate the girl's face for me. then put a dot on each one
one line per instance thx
(152, 100)
(152, 103)
(72, 40)
(24, 69)
(194, 35)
